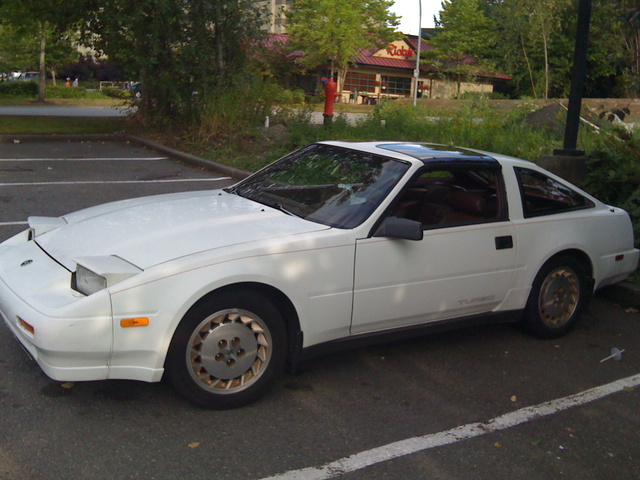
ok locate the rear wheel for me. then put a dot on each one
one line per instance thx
(558, 296)
(228, 350)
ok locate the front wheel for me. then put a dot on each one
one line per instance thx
(227, 351)
(558, 295)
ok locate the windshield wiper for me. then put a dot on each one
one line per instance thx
(284, 209)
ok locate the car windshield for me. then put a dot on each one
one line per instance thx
(325, 184)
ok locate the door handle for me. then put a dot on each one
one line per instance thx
(503, 243)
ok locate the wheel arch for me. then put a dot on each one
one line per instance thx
(559, 295)
(582, 257)
(280, 300)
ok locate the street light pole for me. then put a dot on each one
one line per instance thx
(569, 162)
(578, 78)
(416, 72)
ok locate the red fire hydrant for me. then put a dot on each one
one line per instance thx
(330, 88)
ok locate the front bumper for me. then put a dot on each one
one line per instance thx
(69, 335)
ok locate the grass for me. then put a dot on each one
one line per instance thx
(17, 125)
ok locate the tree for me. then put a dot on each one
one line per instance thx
(20, 49)
(537, 39)
(45, 19)
(463, 29)
(180, 51)
(336, 30)
(543, 19)
(537, 31)
(463, 42)
(630, 30)
(533, 42)
(17, 50)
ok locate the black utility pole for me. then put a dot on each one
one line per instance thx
(578, 77)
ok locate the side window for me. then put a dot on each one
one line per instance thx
(542, 195)
(448, 196)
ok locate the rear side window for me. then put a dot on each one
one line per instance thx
(542, 195)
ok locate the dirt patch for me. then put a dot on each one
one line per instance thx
(551, 117)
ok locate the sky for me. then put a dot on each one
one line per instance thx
(408, 10)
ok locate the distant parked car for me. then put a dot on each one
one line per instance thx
(19, 76)
(336, 243)
(135, 89)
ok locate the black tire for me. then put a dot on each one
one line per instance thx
(558, 295)
(228, 350)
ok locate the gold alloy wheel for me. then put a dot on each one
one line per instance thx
(229, 351)
(559, 296)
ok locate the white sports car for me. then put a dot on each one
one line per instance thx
(334, 243)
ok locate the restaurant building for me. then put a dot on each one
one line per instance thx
(389, 73)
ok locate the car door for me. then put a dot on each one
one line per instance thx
(463, 265)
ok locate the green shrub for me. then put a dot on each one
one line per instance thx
(65, 92)
(290, 97)
(114, 92)
(244, 104)
(18, 89)
(614, 173)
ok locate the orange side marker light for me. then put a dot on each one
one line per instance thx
(134, 322)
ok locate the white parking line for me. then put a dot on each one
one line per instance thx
(106, 159)
(111, 182)
(388, 452)
(11, 224)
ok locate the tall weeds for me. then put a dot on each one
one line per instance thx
(476, 125)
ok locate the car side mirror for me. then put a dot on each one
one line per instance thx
(403, 228)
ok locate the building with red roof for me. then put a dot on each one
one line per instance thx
(389, 73)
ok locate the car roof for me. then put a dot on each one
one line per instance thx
(436, 155)
(426, 153)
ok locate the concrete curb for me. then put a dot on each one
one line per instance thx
(117, 137)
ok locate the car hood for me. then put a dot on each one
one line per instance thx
(152, 230)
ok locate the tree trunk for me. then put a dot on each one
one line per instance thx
(342, 75)
(43, 72)
(526, 57)
(636, 68)
(546, 62)
(219, 41)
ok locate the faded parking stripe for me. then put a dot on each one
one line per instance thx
(401, 448)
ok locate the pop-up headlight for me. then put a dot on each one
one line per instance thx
(40, 225)
(97, 273)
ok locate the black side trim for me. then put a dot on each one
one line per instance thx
(363, 340)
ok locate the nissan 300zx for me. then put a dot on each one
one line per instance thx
(335, 243)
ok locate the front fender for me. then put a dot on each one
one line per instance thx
(314, 272)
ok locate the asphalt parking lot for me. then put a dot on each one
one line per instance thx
(481, 403)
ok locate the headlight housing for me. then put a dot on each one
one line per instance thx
(97, 273)
(87, 282)
(40, 225)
